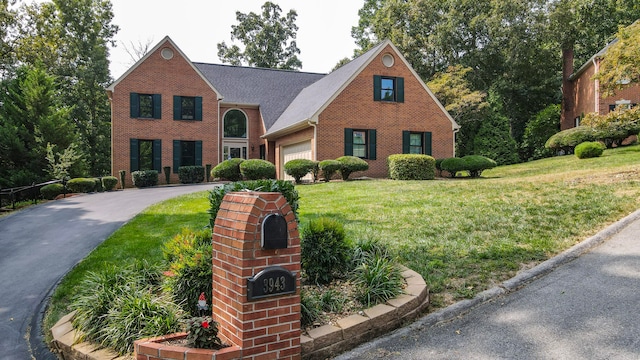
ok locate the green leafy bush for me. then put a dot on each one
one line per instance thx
(191, 174)
(589, 149)
(453, 165)
(228, 170)
(188, 255)
(286, 188)
(256, 169)
(299, 168)
(97, 185)
(109, 182)
(377, 280)
(476, 164)
(351, 164)
(50, 191)
(411, 167)
(325, 251)
(81, 185)
(329, 168)
(144, 178)
(567, 140)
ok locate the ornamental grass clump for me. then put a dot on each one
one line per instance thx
(377, 280)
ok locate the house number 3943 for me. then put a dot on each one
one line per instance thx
(274, 285)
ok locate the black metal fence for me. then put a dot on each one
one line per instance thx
(11, 196)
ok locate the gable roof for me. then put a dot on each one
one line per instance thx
(271, 89)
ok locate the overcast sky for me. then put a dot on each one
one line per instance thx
(196, 26)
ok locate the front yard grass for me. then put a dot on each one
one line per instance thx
(462, 235)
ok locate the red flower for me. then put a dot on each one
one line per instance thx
(205, 324)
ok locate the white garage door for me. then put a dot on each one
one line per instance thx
(296, 151)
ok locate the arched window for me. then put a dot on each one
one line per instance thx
(235, 124)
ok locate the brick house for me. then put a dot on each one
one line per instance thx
(167, 111)
(581, 93)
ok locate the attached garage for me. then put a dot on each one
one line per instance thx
(301, 150)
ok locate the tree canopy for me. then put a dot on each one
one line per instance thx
(620, 66)
(269, 40)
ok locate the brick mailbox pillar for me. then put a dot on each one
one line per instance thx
(256, 275)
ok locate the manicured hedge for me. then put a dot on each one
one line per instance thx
(567, 140)
(299, 168)
(411, 167)
(589, 149)
(228, 170)
(329, 168)
(145, 178)
(191, 174)
(351, 164)
(256, 169)
(50, 191)
(81, 185)
(109, 182)
(474, 164)
(453, 165)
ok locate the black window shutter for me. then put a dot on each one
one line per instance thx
(348, 142)
(377, 87)
(177, 107)
(134, 105)
(198, 153)
(427, 143)
(400, 90)
(177, 155)
(157, 155)
(612, 107)
(157, 106)
(133, 155)
(406, 141)
(198, 115)
(372, 144)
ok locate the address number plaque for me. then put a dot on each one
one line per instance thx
(272, 281)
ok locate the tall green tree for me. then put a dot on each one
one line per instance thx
(269, 39)
(72, 39)
(31, 118)
(7, 22)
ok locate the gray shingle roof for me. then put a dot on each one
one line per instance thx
(273, 90)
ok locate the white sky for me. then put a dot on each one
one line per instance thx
(197, 26)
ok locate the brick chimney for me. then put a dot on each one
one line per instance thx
(568, 96)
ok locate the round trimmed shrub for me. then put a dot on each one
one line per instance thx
(144, 178)
(453, 165)
(325, 251)
(109, 182)
(567, 140)
(476, 164)
(228, 170)
(351, 164)
(411, 167)
(81, 185)
(299, 168)
(589, 149)
(191, 174)
(256, 169)
(329, 168)
(50, 191)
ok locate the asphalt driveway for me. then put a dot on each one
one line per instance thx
(39, 245)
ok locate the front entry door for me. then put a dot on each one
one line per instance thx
(234, 150)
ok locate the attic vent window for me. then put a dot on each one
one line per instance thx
(167, 54)
(387, 60)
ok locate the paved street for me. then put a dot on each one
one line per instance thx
(587, 308)
(39, 245)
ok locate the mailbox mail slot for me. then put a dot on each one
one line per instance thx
(274, 232)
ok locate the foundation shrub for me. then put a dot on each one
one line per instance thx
(325, 251)
(299, 168)
(411, 167)
(351, 164)
(476, 164)
(144, 178)
(589, 149)
(188, 258)
(50, 191)
(109, 182)
(81, 185)
(256, 169)
(567, 140)
(286, 188)
(453, 165)
(329, 168)
(191, 174)
(228, 170)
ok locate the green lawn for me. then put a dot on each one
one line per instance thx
(462, 235)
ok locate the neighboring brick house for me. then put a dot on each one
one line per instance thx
(581, 93)
(169, 111)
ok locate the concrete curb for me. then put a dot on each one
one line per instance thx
(521, 279)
